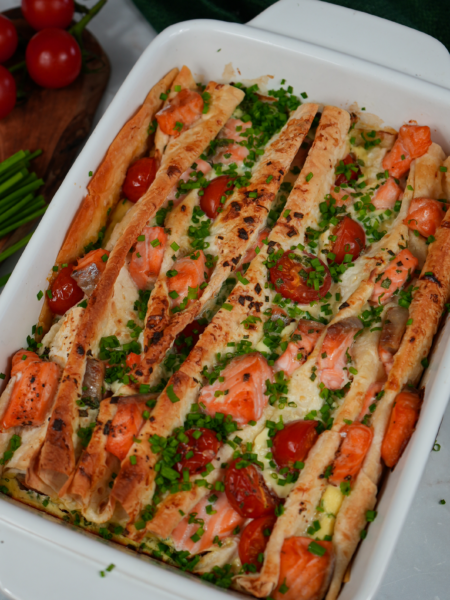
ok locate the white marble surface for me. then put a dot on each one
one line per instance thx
(420, 567)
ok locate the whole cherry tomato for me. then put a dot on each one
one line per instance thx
(246, 491)
(7, 92)
(65, 292)
(350, 239)
(300, 277)
(293, 443)
(216, 190)
(42, 14)
(53, 58)
(200, 450)
(190, 335)
(8, 38)
(254, 540)
(139, 178)
(351, 173)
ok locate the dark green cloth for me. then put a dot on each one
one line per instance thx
(429, 16)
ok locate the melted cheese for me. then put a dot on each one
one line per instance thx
(61, 335)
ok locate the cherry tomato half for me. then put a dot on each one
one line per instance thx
(139, 178)
(216, 190)
(53, 58)
(349, 174)
(293, 442)
(190, 335)
(65, 292)
(8, 38)
(291, 277)
(200, 450)
(351, 239)
(246, 491)
(7, 92)
(42, 14)
(254, 540)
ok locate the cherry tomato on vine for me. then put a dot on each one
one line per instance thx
(53, 58)
(139, 178)
(7, 92)
(200, 449)
(293, 443)
(350, 239)
(42, 14)
(246, 491)
(254, 540)
(8, 38)
(300, 277)
(210, 202)
(65, 292)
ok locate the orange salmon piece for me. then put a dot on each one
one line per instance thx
(353, 450)
(232, 152)
(125, 425)
(387, 195)
(32, 395)
(401, 426)
(147, 258)
(425, 215)
(222, 523)
(412, 142)
(303, 574)
(190, 273)
(394, 278)
(304, 340)
(245, 381)
(22, 359)
(180, 113)
(333, 357)
(369, 398)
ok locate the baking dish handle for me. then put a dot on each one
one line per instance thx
(359, 34)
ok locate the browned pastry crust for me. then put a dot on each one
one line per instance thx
(235, 231)
(60, 449)
(104, 187)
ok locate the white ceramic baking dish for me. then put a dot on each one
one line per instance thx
(349, 61)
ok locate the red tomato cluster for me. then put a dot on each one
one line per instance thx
(53, 56)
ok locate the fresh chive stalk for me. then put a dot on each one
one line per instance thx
(19, 203)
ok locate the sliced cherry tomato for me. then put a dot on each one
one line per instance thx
(7, 92)
(65, 292)
(351, 239)
(42, 14)
(425, 215)
(53, 58)
(353, 450)
(347, 170)
(198, 451)
(300, 277)
(293, 443)
(215, 195)
(190, 335)
(401, 426)
(180, 112)
(254, 540)
(246, 491)
(139, 178)
(8, 39)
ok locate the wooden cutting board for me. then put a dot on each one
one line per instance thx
(57, 121)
